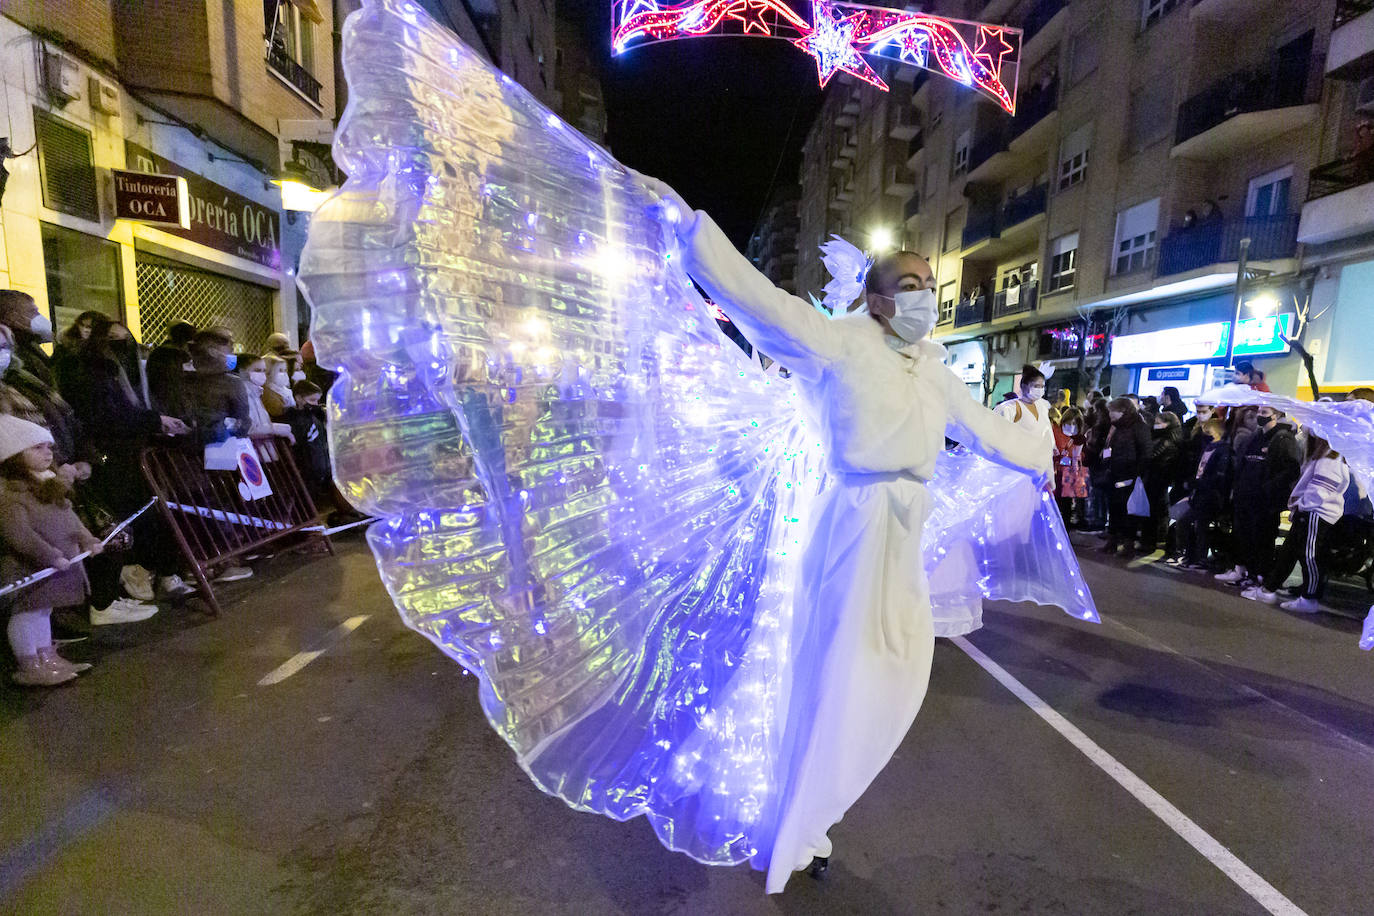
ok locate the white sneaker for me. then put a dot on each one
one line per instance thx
(234, 574)
(138, 582)
(1260, 593)
(122, 610)
(174, 587)
(1233, 575)
(1303, 606)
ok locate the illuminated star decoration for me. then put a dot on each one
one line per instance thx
(839, 36)
(750, 13)
(991, 57)
(832, 44)
(915, 47)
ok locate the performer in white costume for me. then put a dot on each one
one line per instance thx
(885, 402)
(1029, 408)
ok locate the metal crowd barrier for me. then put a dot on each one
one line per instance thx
(212, 513)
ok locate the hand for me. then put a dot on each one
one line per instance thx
(674, 207)
(96, 549)
(83, 470)
(61, 563)
(171, 426)
(67, 473)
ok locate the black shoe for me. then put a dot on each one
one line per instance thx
(818, 867)
(65, 629)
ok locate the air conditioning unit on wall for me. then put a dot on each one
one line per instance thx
(61, 77)
(104, 96)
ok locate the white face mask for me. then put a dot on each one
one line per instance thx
(1037, 392)
(917, 313)
(41, 326)
(258, 378)
(1070, 429)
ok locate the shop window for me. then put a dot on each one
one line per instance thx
(82, 273)
(961, 153)
(1135, 237)
(66, 167)
(1073, 157)
(1064, 262)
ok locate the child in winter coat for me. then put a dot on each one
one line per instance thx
(39, 530)
(1071, 477)
(253, 372)
(1208, 494)
(1316, 505)
(276, 393)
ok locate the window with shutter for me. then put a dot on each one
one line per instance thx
(66, 167)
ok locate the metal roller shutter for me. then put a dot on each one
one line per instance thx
(169, 292)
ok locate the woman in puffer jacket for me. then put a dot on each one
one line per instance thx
(1127, 458)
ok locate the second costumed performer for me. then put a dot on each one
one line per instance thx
(885, 402)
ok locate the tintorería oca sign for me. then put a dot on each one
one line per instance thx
(158, 200)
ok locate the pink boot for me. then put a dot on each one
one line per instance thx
(50, 657)
(35, 672)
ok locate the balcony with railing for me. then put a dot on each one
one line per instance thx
(1018, 209)
(1246, 108)
(971, 311)
(1005, 228)
(1218, 242)
(1340, 200)
(1034, 107)
(1350, 56)
(905, 124)
(288, 69)
(1014, 300)
(899, 181)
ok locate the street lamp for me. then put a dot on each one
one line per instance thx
(1263, 304)
(881, 239)
(297, 192)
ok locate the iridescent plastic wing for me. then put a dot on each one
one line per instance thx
(992, 534)
(590, 498)
(1347, 425)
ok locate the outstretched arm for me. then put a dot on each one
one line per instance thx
(994, 437)
(783, 326)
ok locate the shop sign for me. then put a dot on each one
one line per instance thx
(218, 217)
(146, 197)
(1204, 342)
(1172, 374)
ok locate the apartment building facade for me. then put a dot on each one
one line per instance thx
(773, 246)
(1151, 137)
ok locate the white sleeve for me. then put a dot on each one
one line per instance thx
(994, 437)
(783, 326)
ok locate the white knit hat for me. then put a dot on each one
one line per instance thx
(17, 435)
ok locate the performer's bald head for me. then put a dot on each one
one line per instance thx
(893, 273)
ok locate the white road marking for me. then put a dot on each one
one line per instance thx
(298, 661)
(1245, 877)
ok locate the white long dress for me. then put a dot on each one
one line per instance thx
(863, 606)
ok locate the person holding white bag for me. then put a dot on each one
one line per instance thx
(1127, 456)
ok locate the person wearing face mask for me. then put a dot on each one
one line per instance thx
(252, 370)
(1029, 408)
(1267, 467)
(884, 401)
(276, 394)
(1071, 476)
(31, 329)
(216, 401)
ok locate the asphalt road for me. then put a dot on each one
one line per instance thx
(170, 780)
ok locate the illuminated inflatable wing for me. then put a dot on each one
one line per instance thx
(590, 498)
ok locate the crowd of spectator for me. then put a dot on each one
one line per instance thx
(73, 425)
(1209, 488)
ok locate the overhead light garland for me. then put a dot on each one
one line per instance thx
(981, 56)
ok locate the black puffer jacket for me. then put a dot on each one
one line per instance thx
(1211, 485)
(1130, 448)
(1267, 467)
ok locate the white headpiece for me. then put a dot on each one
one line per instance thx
(848, 266)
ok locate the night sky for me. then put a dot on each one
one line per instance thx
(710, 116)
